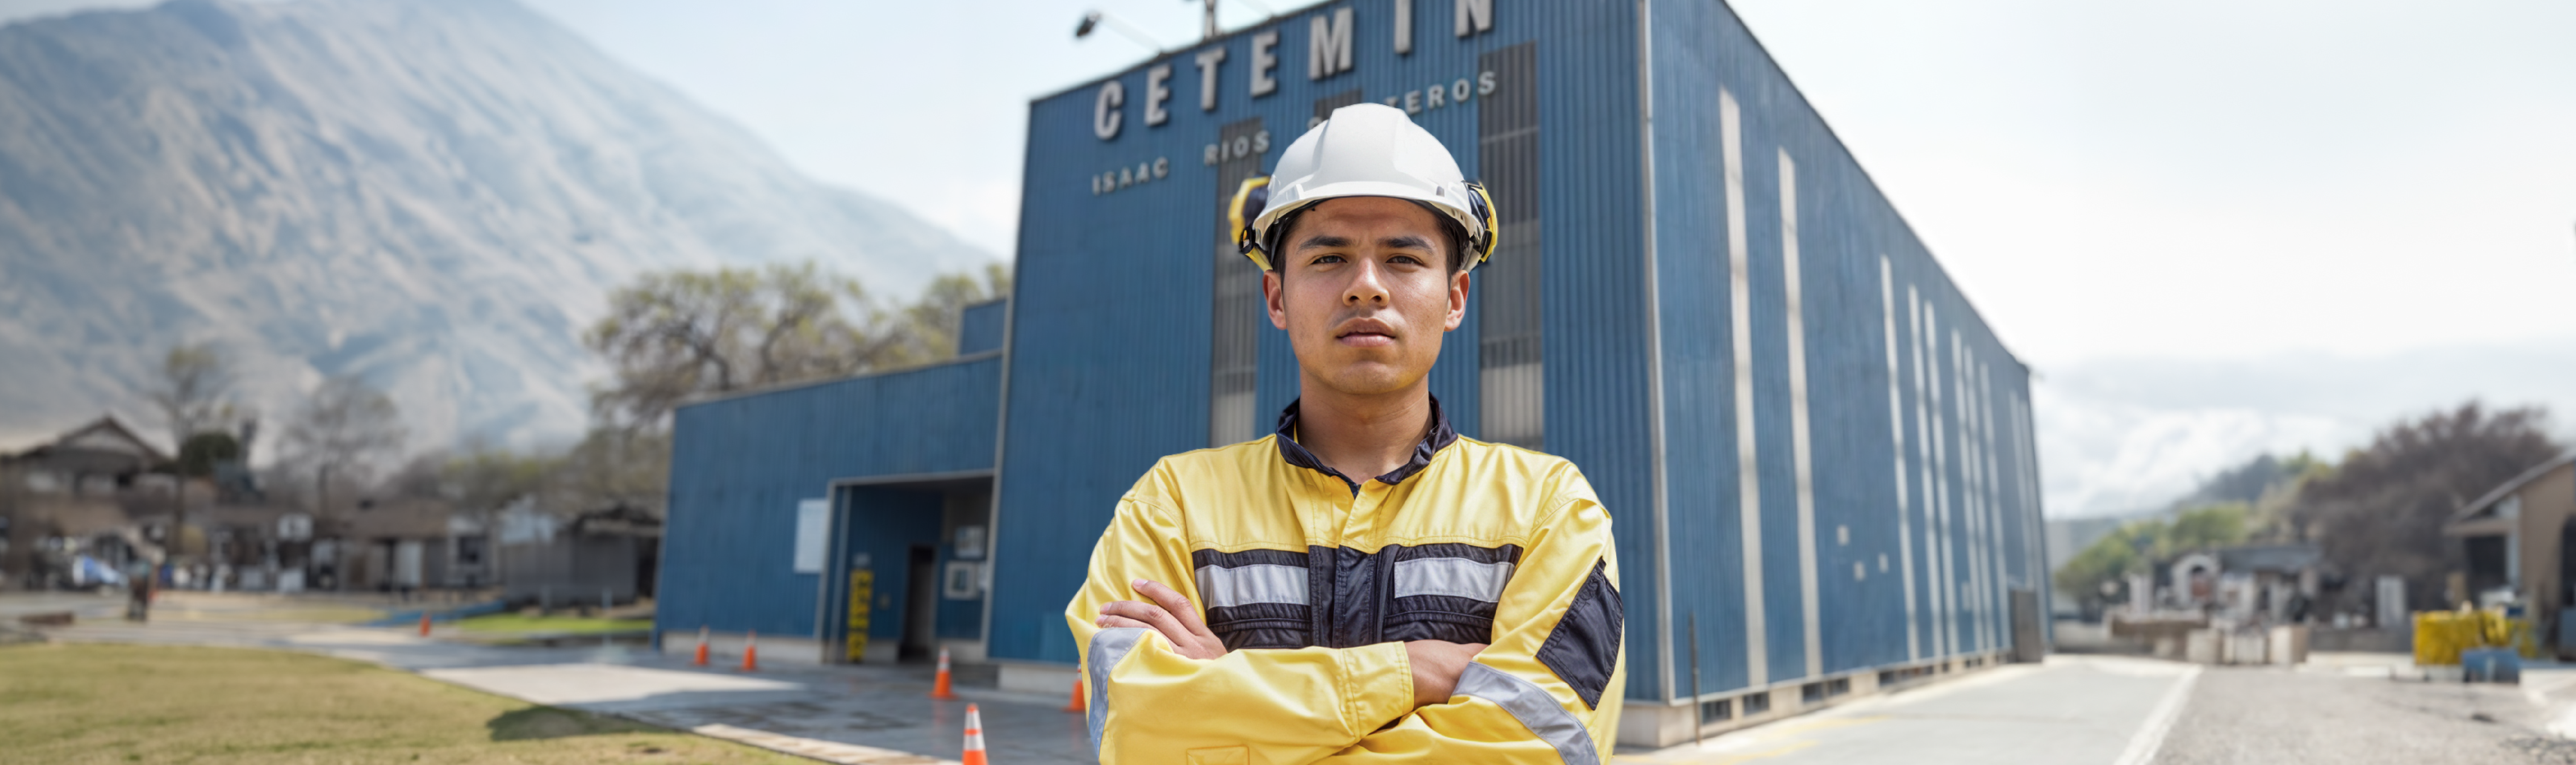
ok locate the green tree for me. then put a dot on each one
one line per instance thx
(2381, 510)
(2136, 548)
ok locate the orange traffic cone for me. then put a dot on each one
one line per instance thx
(939, 687)
(751, 652)
(424, 624)
(974, 738)
(701, 659)
(1076, 704)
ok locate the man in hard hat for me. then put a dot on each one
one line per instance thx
(1364, 583)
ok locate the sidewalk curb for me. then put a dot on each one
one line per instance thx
(827, 751)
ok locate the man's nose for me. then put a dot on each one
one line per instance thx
(1367, 285)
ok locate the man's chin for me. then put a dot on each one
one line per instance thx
(1369, 379)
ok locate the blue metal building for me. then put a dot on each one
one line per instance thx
(1818, 457)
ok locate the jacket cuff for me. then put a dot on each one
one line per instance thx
(1377, 681)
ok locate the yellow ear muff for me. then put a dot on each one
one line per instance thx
(1249, 199)
(1484, 204)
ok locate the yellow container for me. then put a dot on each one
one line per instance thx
(2440, 636)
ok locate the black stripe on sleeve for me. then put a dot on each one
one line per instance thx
(1206, 558)
(1497, 554)
(1584, 648)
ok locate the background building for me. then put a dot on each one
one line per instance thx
(1818, 457)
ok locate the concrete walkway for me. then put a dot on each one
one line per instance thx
(2069, 710)
(874, 715)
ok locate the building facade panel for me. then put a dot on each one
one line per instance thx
(740, 465)
(1816, 456)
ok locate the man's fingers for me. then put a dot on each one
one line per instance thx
(1115, 622)
(1150, 614)
(1174, 603)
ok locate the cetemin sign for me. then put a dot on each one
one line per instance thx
(1330, 38)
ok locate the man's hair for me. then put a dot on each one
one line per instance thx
(1456, 235)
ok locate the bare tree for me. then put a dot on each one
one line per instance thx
(677, 334)
(674, 335)
(194, 391)
(345, 430)
(615, 467)
(934, 323)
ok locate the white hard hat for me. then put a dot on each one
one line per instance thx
(1363, 150)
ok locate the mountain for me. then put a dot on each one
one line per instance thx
(434, 195)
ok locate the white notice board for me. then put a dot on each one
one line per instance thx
(813, 523)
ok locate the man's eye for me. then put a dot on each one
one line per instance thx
(1405, 259)
(1327, 259)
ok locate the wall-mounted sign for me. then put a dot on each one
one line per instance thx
(1330, 36)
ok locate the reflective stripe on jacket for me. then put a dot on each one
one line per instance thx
(1314, 582)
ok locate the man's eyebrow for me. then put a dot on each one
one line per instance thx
(1405, 242)
(1324, 240)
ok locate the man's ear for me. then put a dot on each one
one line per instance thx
(1457, 301)
(1272, 290)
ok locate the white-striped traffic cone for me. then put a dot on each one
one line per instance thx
(974, 738)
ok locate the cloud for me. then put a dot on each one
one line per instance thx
(2127, 434)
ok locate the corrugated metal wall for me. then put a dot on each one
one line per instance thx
(739, 465)
(1888, 485)
(1917, 511)
(980, 327)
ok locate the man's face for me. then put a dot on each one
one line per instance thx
(1364, 291)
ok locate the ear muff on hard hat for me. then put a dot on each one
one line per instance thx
(1363, 150)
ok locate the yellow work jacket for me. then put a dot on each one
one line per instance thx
(1314, 581)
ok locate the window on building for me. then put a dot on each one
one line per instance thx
(1512, 389)
(1234, 324)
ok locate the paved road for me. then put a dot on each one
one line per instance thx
(2352, 708)
(2072, 710)
(2364, 717)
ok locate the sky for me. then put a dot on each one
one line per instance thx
(2213, 229)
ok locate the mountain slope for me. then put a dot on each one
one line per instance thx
(433, 195)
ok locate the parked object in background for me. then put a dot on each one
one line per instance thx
(2491, 665)
(2442, 637)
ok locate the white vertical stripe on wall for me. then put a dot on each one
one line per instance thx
(2036, 556)
(1948, 508)
(1799, 445)
(1932, 532)
(1757, 651)
(1896, 436)
(1971, 490)
(2004, 581)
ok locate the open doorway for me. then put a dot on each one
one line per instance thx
(921, 605)
(903, 577)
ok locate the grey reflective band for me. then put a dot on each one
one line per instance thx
(1528, 703)
(1108, 647)
(1455, 577)
(1245, 585)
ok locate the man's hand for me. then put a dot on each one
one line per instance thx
(1436, 666)
(1172, 615)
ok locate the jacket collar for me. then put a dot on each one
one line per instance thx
(1440, 437)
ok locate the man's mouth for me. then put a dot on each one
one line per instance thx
(1366, 333)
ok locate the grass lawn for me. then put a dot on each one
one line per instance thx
(573, 624)
(114, 703)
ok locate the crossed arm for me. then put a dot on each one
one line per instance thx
(1435, 663)
(1544, 690)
